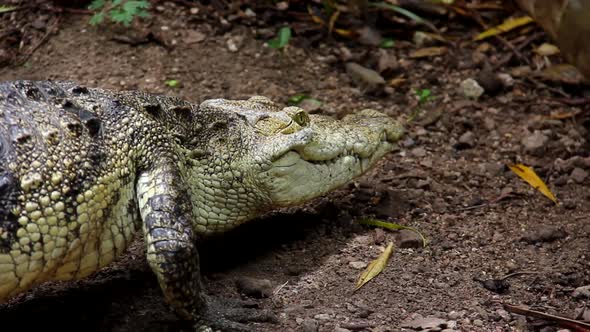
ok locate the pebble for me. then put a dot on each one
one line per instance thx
(232, 46)
(582, 292)
(254, 287)
(358, 265)
(535, 142)
(468, 138)
(454, 315)
(505, 315)
(409, 239)
(309, 325)
(193, 37)
(489, 123)
(478, 322)
(340, 329)
(422, 39)
(419, 152)
(578, 175)
(387, 63)
(544, 234)
(322, 316)
(426, 323)
(489, 81)
(471, 89)
(367, 79)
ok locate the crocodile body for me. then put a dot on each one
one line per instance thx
(83, 170)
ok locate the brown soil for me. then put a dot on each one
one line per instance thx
(482, 222)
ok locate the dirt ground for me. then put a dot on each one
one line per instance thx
(492, 238)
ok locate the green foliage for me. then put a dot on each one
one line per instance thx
(172, 83)
(387, 43)
(297, 99)
(118, 11)
(282, 38)
(424, 95)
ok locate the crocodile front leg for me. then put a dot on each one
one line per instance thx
(171, 252)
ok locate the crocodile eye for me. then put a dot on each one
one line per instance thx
(301, 118)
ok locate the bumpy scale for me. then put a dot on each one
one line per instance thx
(82, 169)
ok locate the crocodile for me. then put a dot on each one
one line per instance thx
(83, 169)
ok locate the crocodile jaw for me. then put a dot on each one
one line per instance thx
(337, 152)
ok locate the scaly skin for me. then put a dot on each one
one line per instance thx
(82, 169)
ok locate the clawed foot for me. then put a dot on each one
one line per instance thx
(229, 315)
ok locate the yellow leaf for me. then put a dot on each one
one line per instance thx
(546, 49)
(528, 174)
(375, 267)
(428, 52)
(507, 25)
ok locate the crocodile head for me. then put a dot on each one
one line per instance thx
(256, 156)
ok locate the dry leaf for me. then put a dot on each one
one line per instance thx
(564, 73)
(507, 25)
(547, 49)
(528, 174)
(428, 52)
(560, 115)
(375, 267)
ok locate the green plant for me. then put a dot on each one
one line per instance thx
(282, 38)
(118, 11)
(424, 95)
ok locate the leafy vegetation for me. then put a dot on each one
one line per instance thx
(118, 11)
(282, 38)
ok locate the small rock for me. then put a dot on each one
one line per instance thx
(419, 152)
(193, 37)
(408, 142)
(358, 265)
(340, 329)
(369, 36)
(494, 169)
(194, 11)
(489, 81)
(427, 323)
(569, 204)
(232, 46)
(489, 123)
(378, 236)
(422, 39)
(506, 80)
(454, 315)
(478, 322)
(544, 234)
(309, 325)
(387, 63)
(322, 316)
(367, 79)
(578, 175)
(535, 142)
(505, 315)
(471, 89)
(561, 180)
(582, 292)
(409, 239)
(468, 139)
(282, 5)
(253, 287)
(249, 12)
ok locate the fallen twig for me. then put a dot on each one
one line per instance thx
(573, 324)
